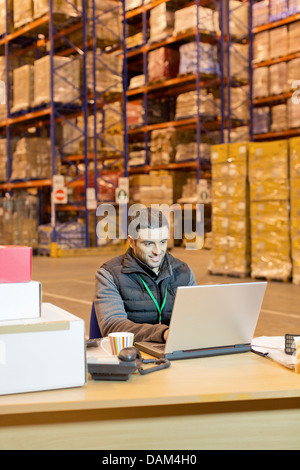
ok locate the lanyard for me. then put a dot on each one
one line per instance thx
(160, 309)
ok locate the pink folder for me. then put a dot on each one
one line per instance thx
(15, 263)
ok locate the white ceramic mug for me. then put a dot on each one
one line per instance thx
(117, 341)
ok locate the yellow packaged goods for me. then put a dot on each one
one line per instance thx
(268, 169)
(219, 153)
(278, 209)
(260, 225)
(219, 207)
(272, 266)
(295, 210)
(295, 243)
(230, 225)
(238, 152)
(218, 262)
(237, 225)
(294, 146)
(275, 243)
(267, 190)
(232, 188)
(230, 209)
(238, 263)
(230, 255)
(229, 169)
(219, 242)
(295, 227)
(295, 184)
(237, 207)
(259, 150)
(220, 225)
(239, 243)
(268, 160)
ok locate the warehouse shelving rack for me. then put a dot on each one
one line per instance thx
(105, 98)
(180, 84)
(175, 86)
(47, 116)
(231, 44)
(271, 100)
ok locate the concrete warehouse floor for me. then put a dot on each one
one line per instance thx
(69, 284)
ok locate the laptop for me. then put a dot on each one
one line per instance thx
(210, 320)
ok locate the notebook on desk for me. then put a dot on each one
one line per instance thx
(210, 320)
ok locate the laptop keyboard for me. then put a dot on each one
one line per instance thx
(159, 347)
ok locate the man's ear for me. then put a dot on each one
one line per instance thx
(131, 241)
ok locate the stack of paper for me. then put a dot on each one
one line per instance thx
(273, 347)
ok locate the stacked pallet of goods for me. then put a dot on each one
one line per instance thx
(269, 209)
(230, 212)
(294, 147)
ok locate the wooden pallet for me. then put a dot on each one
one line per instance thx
(271, 278)
(229, 274)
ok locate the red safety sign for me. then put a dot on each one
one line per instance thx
(60, 196)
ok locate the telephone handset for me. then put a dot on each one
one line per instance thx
(130, 360)
(133, 354)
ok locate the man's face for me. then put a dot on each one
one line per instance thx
(151, 246)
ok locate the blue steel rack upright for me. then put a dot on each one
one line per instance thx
(247, 38)
(220, 42)
(102, 99)
(48, 114)
(57, 112)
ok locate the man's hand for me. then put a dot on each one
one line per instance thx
(165, 335)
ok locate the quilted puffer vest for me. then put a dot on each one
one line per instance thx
(138, 304)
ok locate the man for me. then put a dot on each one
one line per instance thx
(136, 291)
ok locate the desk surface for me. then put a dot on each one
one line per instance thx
(229, 378)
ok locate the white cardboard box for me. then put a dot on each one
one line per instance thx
(42, 354)
(20, 300)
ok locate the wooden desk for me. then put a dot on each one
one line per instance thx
(229, 402)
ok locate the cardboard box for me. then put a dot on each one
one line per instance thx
(22, 88)
(42, 354)
(20, 301)
(15, 263)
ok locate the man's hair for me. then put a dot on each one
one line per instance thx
(146, 217)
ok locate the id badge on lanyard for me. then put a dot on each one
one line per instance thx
(159, 308)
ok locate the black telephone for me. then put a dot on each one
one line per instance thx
(130, 359)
